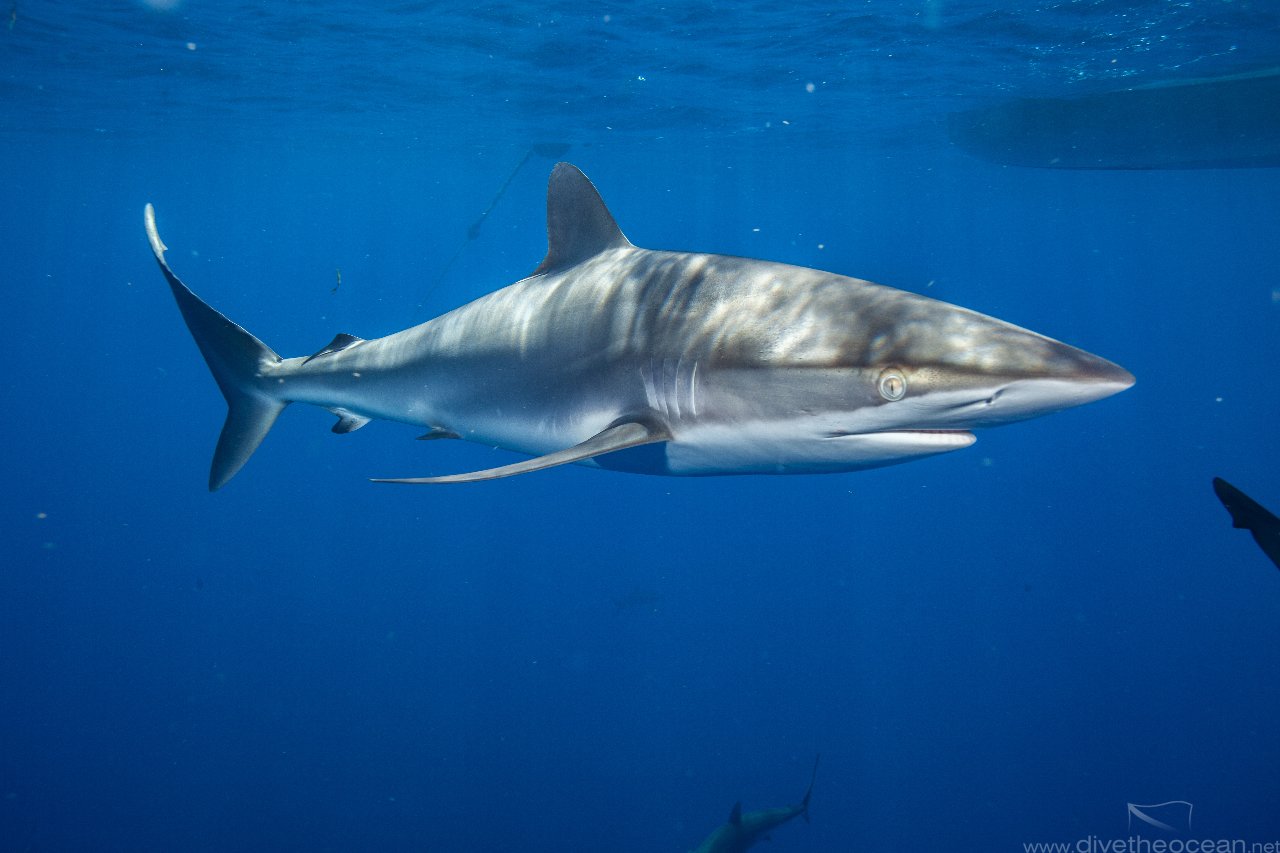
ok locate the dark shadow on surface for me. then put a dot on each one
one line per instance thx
(1217, 123)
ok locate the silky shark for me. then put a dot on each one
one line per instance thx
(660, 362)
(744, 829)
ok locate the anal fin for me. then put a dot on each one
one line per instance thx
(348, 421)
(619, 436)
(436, 433)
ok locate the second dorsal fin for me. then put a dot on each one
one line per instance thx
(340, 342)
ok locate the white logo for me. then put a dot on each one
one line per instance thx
(1173, 816)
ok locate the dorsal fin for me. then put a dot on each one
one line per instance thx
(579, 226)
(735, 816)
(340, 342)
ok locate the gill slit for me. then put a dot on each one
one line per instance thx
(671, 387)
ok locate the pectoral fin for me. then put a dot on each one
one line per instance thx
(619, 436)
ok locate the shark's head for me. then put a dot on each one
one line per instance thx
(944, 367)
(929, 372)
(897, 377)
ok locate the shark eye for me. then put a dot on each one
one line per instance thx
(892, 384)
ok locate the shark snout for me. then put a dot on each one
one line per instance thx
(1034, 375)
(1084, 378)
(1081, 377)
(1113, 376)
(1075, 365)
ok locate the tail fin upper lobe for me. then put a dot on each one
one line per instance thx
(236, 359)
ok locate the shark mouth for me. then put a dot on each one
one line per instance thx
(958, 437)
(889, 446)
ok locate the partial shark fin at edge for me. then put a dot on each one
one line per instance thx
(1248, 514)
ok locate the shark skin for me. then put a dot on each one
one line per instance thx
(658, 362)
(1248, 514)
(744, 829)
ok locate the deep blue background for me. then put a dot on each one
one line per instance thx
(1001, 645)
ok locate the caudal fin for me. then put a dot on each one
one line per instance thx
(236, 359)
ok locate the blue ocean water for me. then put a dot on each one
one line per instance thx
(1001, 646)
